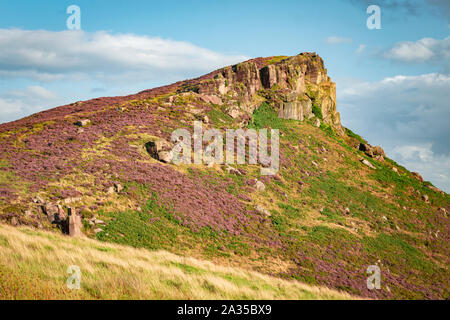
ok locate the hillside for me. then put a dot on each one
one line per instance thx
(336, 205)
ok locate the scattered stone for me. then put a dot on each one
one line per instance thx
(385, 218)
(38, 200)
(347, 211)
(260, 186)
(314, 164)
(80, 130)
(234, 113)
(232, 170)
(118, 187)
(111, 190)
(367, 163)
(98, 221)
(262, 210)
(395, 169)
(317, 123)
(14, 221)
(425, 198)
(443, 210)
(205, 119)
(83, 123)
(98, 230)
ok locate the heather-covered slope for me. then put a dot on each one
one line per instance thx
(336, 206)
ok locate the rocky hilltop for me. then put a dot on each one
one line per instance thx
(293, 85)
(102, 169)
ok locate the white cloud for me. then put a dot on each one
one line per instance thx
(9, 107)
(420, 51)
(49, 56)
(407, 115)
(16, 103)
(361, 48)
(338, 40)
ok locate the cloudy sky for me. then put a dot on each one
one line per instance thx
(393, 83)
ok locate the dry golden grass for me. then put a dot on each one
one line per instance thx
(33, 265)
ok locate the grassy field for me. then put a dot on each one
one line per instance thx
(33, 265)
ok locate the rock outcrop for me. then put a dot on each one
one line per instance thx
(295, 86)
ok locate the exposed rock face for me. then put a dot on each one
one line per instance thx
(292, 85)
(417, 176)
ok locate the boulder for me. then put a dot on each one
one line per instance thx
(367, 163)
(260, 186)
(75, 225)
(374, 152)
(263, 211)
(38, 200)
(234, 113)
(14, 222)
(425, 198)
(111, 190)
(160, 150)
(118, 187)
(83, 123)
(50, 210)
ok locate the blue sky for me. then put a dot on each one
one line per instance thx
(392, 83)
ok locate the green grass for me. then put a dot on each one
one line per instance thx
(317, 111)
(351, 134)
(266, 117)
